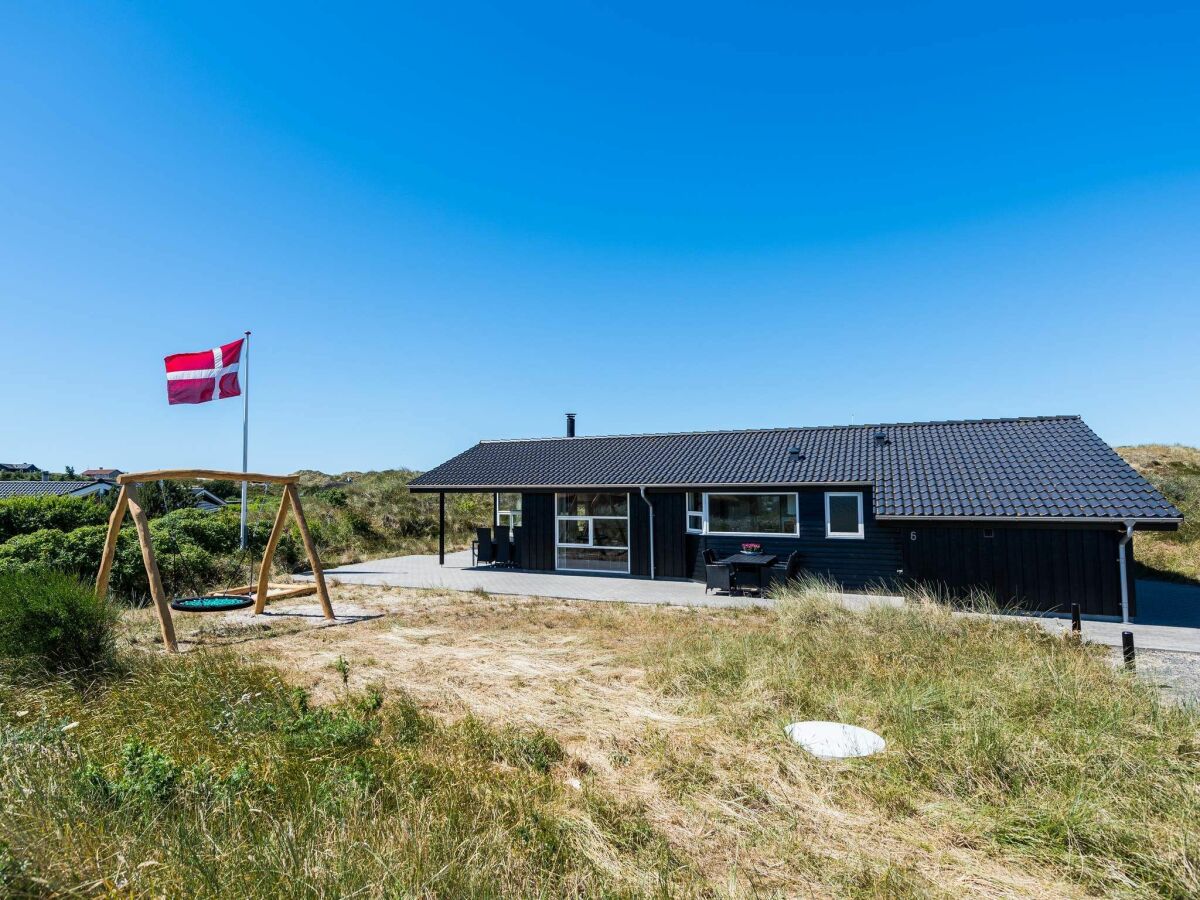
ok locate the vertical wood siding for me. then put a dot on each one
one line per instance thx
(536, 548)
(1042, 568)
(670, 536)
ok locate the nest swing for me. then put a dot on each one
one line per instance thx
(252, 593)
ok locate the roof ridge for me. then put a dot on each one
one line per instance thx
(591, 437)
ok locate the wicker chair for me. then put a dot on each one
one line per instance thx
(719, 578)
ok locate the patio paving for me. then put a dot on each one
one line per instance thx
(1158, 605)
(458, 575)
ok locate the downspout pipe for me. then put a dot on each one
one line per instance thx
(650, 506)
(1125, 539)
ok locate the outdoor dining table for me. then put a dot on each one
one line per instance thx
(758, 562)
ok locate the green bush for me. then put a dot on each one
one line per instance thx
(55, 621)
(212, 532)
(78, 553)
(195, 551)
(24, 515)
(40, 549)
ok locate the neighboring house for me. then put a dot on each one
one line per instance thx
(207, 501)
(20, 468)
(1036, 510)
(10, 489)
(102, 474)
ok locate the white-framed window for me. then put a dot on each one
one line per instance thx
(508, 510)
(751, 513)
(844, 514)
(591, 532)
(695, 512)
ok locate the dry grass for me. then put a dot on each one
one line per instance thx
(745, 810)
(1175, 470)
(1019, 765)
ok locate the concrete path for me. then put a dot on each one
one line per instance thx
(1158, 602)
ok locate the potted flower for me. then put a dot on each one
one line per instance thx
(751, 548)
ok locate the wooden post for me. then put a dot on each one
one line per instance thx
(110, 542)
(156, 586)
(264, 572)
(311, 549)
(442, 528)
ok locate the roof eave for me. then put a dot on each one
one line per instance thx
(624, 486)
(1146, 523)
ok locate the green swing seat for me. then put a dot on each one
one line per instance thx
(220, 603)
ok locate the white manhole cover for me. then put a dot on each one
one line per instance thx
(834, 740)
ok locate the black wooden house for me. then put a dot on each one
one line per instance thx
(1039, 511)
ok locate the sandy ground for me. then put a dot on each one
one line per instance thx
(565, 666)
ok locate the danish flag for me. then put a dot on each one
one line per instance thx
(207, 375)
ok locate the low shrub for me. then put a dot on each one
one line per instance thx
(24, 515)
(78, 553)
(54, 621)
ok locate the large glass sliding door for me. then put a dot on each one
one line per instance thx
(591, 532)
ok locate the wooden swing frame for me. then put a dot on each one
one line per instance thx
(127, 500)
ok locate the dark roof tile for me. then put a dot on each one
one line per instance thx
(1053, 466)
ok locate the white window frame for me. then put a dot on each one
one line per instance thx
(591, 545)
(509, 514)
(846, 535)
(689, 513)
(793, 494)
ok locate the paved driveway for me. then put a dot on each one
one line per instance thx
(1170, 613)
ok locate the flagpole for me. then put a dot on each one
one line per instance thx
(245, 427)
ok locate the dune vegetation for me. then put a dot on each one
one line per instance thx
(352, 516)
(1002, 738)
(556, 749)
(1175, 471)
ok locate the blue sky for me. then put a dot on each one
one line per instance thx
(455, 223)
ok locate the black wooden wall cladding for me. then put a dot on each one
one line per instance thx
(536, 547)
(670, 532)
(1041, 568)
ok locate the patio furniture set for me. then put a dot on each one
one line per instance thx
(496, 547)
(747, 571)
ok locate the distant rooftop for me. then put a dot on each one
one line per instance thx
(10, 489)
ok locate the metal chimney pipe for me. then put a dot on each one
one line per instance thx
(570, 424)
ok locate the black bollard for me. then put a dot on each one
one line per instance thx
(1076, 624)
(1127, 649)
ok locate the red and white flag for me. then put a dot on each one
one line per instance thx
(207, 375)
